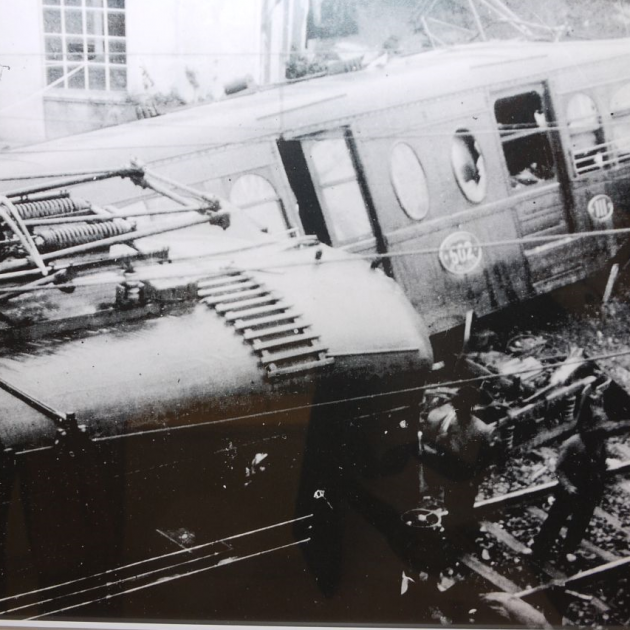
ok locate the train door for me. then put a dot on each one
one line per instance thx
(595, 126)
(333, 198)
(537, 181)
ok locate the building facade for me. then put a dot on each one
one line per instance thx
(76, 65)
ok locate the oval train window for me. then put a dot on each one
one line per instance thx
(409, 181)
(260, 202)
(469, 166)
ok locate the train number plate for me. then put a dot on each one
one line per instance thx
(460, 253)
(600, 207)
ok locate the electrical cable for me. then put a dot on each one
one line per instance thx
(217, 256)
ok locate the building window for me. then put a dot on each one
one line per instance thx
(469, 166)
(523, 125)
(85, 44)
(258, 199)
(409, 181)
(620, 114)
(587, 136)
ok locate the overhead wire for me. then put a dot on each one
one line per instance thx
(134, 577)
(352, 257)
(138, 563)
(378, 395)
(270, 134)
(172, 578)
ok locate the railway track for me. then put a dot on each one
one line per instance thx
(511, 510)
(516, 495)
(498, 562)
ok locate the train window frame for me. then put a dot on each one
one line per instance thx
(619, 120)
(341, 230)
(403, 182)
(248, 208)
(472, 159)
(593, 155)
(522, 119)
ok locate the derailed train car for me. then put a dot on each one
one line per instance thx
(260, 394)
(174, 407)
(467, 169)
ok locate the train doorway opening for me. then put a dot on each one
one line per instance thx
(301, 183)
(536, 175)
(325, 174)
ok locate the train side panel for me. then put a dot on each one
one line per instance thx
(594, 121)
(444, 283)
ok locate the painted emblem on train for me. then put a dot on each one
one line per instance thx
(460, 253)
(601, 208)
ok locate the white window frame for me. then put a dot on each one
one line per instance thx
(67, 65)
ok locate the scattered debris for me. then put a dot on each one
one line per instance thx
(404, 585)
(256, 464)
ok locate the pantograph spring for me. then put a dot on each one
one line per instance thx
(54, 238)
(49, 207)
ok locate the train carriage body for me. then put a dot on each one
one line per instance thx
(189, 400)
(465, 173)
(461, 166)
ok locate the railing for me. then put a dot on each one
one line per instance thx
(600, 156)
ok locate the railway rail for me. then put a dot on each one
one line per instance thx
(593, 584)
(517, 492)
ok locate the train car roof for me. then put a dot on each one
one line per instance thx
(307, 104)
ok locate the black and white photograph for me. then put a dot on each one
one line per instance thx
(315, 312)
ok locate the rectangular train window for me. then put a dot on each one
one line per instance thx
(339, 192)
(589, 152)
(522, 124)
(620, 117)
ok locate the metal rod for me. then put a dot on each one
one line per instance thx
(582, 576)
(62, 194)
(171, 182)
(33, 402)
(450, 25)
(13, 220)
(473, 8)
(611, 283)
(166, 192)
(432, 38)
(19, 274)
(102, 217)
(72, 181)
(130, 236)
(161, 252)
(18, 178)
(501, 6)
(506, 16)
(113, 240)
(429, 8)
(34, 285)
